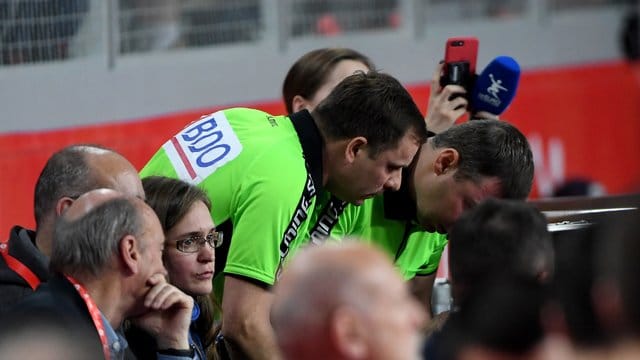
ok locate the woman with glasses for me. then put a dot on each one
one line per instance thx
(188, 256)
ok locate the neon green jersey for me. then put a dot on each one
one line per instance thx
(390, 224)
(252, 166)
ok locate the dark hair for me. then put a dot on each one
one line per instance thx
(171, 199)
(491, 148)
(572, 285)
(504, 317)
(311, 71)
(498, 237)
(66, 173)
(373, 105)
(85, 245)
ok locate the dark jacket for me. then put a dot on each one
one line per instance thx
(22, 247)
(57, 301)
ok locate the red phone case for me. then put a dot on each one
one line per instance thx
(462, 49)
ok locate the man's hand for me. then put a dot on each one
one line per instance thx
(442, 110)
(169, 314)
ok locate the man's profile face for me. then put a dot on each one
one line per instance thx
(441, 198)
(151, 247)
(367, 176)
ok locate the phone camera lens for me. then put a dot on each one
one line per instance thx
(459, 43)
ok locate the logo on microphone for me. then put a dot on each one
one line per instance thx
(495, 87)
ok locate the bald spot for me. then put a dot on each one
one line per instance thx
(113, 171)
(325, 277)
(89, 201)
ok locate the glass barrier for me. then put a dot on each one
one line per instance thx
(560, 5)
(34, 31)
(333, 17)
(439, 11)
(151, 25)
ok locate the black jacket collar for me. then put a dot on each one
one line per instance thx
(312, 145)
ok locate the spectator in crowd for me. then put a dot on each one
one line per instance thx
(501, 321)
(345, 301)
(453, 172)
(498, 236)
(107, 266)
(313, 76)
(67, 174)
(190, 241)
(263, 173)
(496, 243)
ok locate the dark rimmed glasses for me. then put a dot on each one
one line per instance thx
(195, 242)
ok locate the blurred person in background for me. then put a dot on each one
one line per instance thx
(345, 301)
(616, 293)
(497, 241)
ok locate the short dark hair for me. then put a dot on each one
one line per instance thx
(311, 70)
(66, 173)
(373, 105)
(491, 148)
(86, 244)
(572, 285)
(497, 237)
(171, 199)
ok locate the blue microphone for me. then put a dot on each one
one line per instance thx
(496, 86)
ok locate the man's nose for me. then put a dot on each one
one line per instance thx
(393, 183)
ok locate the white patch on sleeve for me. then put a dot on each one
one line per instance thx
(202, 147)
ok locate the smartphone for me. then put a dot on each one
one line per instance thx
(460, 57)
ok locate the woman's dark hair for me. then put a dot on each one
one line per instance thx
(171, 199)
(310, 72)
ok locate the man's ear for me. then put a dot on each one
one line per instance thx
(298, 103)
(130, 253)
(446, 161)
(354, 146)
(62, 204)
(348, 333)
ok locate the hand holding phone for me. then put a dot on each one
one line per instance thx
(460, 62)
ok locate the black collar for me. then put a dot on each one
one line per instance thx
(312, 145)
(399, 205)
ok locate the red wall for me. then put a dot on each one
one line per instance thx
(588, 117)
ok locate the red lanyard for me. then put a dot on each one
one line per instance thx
(19, 268)
(95, 315)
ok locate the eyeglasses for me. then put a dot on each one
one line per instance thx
(194, 243)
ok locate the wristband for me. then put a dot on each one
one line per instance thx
(176, 352)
